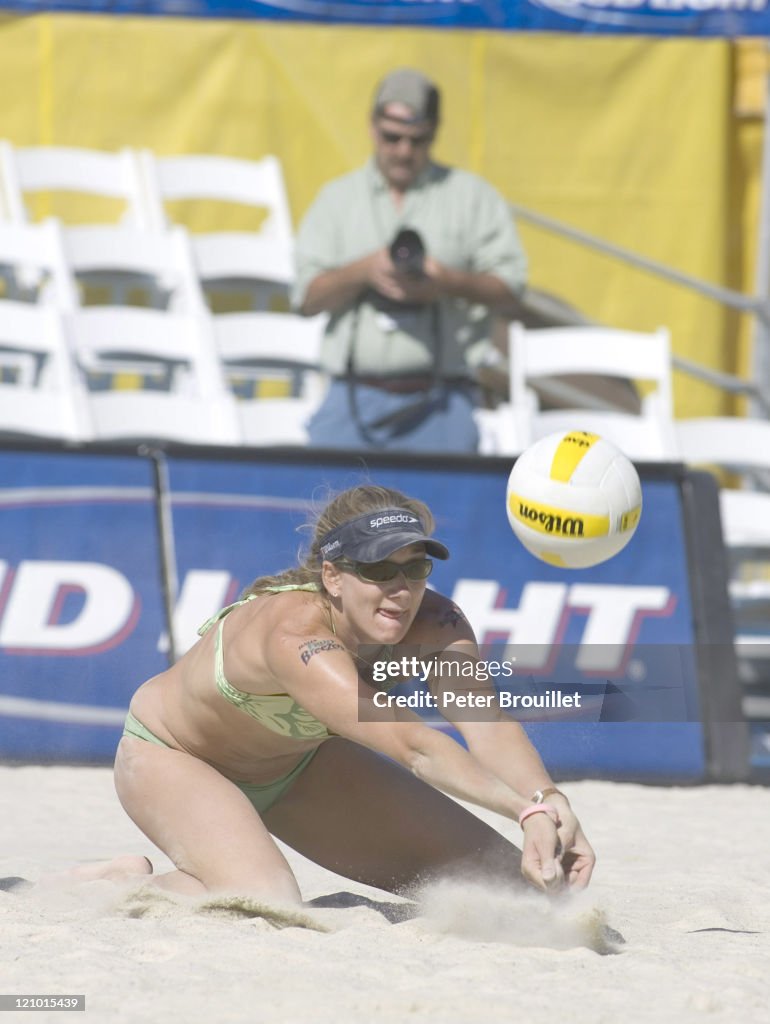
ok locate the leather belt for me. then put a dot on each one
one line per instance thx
(407, 385)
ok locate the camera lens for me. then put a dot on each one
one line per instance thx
(408, 252)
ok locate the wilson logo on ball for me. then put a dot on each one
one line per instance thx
(557, 521)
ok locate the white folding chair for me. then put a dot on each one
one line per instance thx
(227, 260)
(560, 351)
(99, 251)
(158, 263)
(732, 442)
(745, 518)
(195, 408)
(40, 392)
(264, 347)
(741, 446)
(499, 432)
(33, 266)
(25, 171)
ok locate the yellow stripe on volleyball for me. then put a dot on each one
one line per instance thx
(572, 447)
(552, 559)
(629, 519)
(557, 522)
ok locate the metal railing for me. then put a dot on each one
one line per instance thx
(757, 306)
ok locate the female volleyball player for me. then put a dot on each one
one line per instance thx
(272, 725)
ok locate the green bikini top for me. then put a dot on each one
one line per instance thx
(278, 712)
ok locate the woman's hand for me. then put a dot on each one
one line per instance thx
(578, 861)
(554, 857)
(540, 859)
(577, 857)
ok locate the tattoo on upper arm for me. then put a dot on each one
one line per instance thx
(451, 616)
(311, 647)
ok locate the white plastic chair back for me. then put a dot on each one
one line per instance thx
(228, 258)
(732, 442)
(745, 518)
(33, 265)
(196, 408)
(119, 257)
(741, 446)
(40, 395)
(258, 344)
(554, 352)
(736, 445)
(33, 169)
(499, 431)
(248, 182)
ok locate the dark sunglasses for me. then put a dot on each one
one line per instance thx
(393, 138)
(383, 572)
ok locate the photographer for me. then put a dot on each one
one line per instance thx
(409, 258)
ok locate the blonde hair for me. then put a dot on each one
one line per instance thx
(346, 505)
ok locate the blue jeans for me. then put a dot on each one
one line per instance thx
(444, 423)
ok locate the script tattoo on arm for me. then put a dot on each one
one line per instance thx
(312, 647)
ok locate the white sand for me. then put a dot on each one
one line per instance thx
(682, 873)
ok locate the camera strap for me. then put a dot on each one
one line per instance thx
(420, 404)
(411, 410)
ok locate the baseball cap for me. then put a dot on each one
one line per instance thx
(377, 534)
(411, 88)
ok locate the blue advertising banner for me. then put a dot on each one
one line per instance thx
(81, 609)
(729, 18)
(594, 630)
(83, 618)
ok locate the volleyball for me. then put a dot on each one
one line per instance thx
(574, 499)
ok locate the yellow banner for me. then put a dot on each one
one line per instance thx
(633, 140)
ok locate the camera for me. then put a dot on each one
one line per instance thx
(407, 251)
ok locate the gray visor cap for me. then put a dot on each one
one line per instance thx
(377, 534)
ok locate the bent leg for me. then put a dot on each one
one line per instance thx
(368, 819)
(202, 822)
